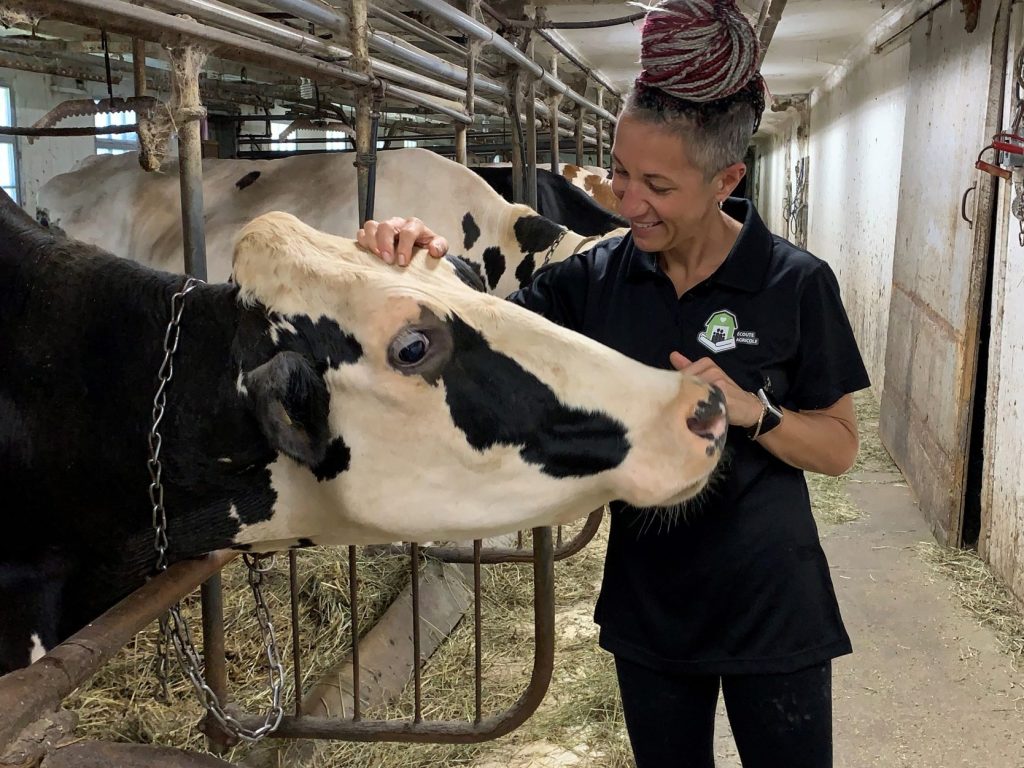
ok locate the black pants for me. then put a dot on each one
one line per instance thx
(778, 721)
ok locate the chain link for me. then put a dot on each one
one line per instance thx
(174, 630)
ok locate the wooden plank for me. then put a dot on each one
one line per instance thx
(940, 262)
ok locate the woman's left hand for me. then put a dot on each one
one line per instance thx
(743, 407)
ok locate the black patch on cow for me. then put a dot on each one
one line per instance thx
(336, 460)
(467, 272)
(494, 264)
(242, 547)
(248, 179)
(325, 341)
(470, 231)
(494, 401)
(303, 542)
(524, 272)
(535, 233)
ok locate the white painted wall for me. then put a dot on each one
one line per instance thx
(34, 96)
(855, 149)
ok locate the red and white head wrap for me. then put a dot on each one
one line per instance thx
(698, 50)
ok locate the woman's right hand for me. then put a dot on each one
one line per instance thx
(394, 239)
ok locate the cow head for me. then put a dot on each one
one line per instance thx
(403, 404)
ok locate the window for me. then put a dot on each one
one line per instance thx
(116, 143)
(281, 146)
(336, 140)
(8, 148)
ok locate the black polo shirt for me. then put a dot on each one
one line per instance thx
(740, 584)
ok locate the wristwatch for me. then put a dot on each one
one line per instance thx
(771, 416)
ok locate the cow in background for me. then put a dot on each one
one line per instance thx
(558, 199)
(111, 203)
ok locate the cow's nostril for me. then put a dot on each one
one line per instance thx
(709, 419)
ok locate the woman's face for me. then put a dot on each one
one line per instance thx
(661, 192)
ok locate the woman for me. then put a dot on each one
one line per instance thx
(737, 597)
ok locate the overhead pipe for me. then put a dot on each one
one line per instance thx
(768, 20)
(556, 42)
(237, 20)
(132, 20)
(338, 22)
(485, 34)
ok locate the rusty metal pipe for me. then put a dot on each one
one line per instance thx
(26, 693)
(771, 14)
(485, 34)
(454, 731)
(407, 53)
(124, 18)
(139, 66)
(237, 20)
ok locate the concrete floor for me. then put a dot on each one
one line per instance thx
(926, 686)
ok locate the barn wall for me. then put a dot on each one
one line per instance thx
(893, 139)
(1002, 530)
(939, 265)
(855, 154)
(34, 96)
(854, 145)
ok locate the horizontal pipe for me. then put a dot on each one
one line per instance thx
(558, 45)
(26, 694)
(124, 18)
(409, 54)
(237, 20)
(485, 34)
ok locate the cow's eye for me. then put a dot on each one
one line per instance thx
(409, 348)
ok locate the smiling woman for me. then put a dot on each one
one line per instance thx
(736, 595)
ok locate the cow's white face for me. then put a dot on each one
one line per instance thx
(407, 406)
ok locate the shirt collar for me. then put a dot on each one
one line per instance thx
(745, 266)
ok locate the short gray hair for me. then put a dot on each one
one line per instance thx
(717, 134)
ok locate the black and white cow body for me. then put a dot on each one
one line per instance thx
(559, 200)
(112, 203)
(325, 398)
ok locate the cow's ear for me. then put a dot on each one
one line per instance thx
(291, 403)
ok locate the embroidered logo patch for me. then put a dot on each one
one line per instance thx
(722, 333)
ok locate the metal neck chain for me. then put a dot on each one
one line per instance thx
(173, 628)
(553, 247)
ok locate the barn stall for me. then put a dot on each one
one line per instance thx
(869, 159)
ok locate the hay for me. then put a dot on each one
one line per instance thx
(980, 593)
(124, 703)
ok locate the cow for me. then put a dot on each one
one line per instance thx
(110, 202)
(321, 397)
(595, 184)
(559, 200)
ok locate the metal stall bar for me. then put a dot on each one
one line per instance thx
(516, 554)
(408, 730)
(243, 22)
(365, 149)
(485, 34)
(124, 18)
(26, 694)
(405, 52)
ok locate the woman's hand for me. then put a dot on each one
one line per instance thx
(743, 407)
(396, 237)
